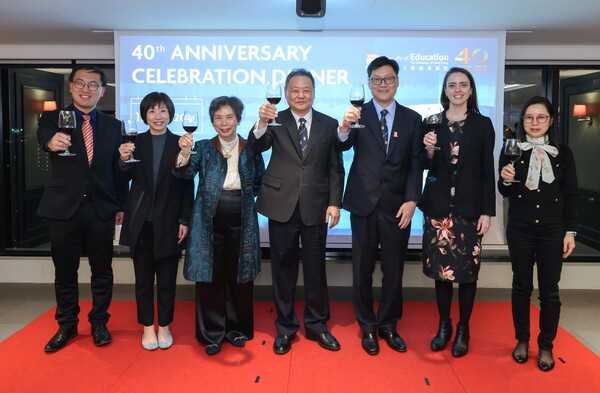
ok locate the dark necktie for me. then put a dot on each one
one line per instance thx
(303, 135)
(88, 138)
(384, 128)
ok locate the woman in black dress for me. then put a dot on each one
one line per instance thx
(457, 203)
(542, 219)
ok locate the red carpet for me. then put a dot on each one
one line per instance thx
(124, 366)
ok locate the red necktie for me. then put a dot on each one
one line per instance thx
(88, 138)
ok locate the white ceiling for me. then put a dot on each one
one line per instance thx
(554, 22)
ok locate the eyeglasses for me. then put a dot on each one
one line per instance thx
(541, 119)
(80, 84)
(377, 80)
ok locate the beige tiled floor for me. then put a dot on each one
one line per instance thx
(22, 303)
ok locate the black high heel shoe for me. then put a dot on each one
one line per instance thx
(443, 335)
(521, 352)
(461, 342)
(545, 365)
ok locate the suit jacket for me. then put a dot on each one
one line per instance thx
(475, 193)
(549, 204)
(375, 176)
(71, 177)
(315, 181)
(173, 197)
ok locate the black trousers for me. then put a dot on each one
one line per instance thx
(285, 255)
(146, 268)
(368, 233)
(528, 245)
(67, 238)
(225, 307)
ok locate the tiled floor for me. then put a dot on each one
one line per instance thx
(22, 303)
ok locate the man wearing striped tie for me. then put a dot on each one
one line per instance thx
(300, 193)
(81, 202)
(384, 187)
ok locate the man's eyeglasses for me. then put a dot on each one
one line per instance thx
(541, 119)
(388, 80)
(80, 84)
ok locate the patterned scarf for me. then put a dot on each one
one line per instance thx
(539, 162)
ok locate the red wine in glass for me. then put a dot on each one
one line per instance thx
(357, 98)
(512, 151)
(66, 125)
(190, 124)
(129, 131)
(273, 96)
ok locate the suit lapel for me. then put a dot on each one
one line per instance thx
(396, 130)
(314, 133)
(143, 152)
(290, 123)
(465, 143)
(167, 155)
(374, 125)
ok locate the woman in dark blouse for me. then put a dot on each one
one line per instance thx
(542, 221)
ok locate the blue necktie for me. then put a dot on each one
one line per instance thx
(303, 135)
(384, 128)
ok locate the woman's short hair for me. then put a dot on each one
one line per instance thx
(153, 99)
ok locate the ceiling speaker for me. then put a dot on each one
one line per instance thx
(310, 8)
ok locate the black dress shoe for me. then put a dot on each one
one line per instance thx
(444, 334)
(59, 340)
(213, 349)
(393, 340)
(239, 341)
(370, 344)
(325, 340)
(283, 343)
(548, 364)
(520, 353)
(100, 334)
(461, 342)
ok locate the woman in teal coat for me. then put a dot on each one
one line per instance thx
(223, 250)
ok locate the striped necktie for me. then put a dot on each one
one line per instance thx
(88, 138)
(384, 128)
(303, 135)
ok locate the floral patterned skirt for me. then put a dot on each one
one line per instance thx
(451, 249)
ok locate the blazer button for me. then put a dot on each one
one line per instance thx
(556, 199)
(537, 206)
(537, 221)
(520, 196)
(538, 190)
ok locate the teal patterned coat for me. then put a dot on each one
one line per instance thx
(211, 167)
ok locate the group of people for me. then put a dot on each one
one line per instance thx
(301, 193)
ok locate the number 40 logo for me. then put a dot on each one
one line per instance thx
(478, 56)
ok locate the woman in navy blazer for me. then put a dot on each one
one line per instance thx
(156, 217)
(457, 202)
(542, 220)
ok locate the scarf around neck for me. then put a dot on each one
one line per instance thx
(539, 163)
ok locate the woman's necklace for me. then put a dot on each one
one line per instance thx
(227, 152)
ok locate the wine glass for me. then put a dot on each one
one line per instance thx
(512, 150)
(190, 124)
(434, 121)
(357, 98)
(273, 96)
(66, 125)
(129, 131)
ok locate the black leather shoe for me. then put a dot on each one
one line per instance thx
(370, 344)
(325, 340)
(443, 335)
(520, 353)
(394, 341)
(283, 343)
(212, 349)
(239, 341)
(100, 334)
(461, 341)
(59, 340)
(547, 364)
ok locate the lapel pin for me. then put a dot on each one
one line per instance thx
(395, 134)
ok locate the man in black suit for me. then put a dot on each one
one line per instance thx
(300, 192)
(81, 203)
(384, 186)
